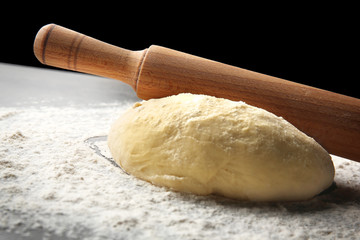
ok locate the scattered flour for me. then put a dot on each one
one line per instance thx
(54, 183)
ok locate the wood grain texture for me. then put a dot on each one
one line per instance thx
(61, 47)
(332, 119)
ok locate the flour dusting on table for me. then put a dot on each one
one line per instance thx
(53, 182)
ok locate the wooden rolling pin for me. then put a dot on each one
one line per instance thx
(331, 119)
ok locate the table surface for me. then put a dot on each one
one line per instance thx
(332, 215)
(24, 86)
(29, 86)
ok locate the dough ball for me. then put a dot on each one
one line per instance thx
(207, 145)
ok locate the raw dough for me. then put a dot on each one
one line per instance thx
(207, 145)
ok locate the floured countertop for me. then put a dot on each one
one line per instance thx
(57, 180)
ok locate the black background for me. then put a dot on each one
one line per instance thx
(311, 44)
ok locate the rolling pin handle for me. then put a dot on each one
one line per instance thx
(64, 48)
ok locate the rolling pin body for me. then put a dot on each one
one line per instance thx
(331, 119)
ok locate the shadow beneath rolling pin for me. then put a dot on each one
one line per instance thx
(99, 145)
(341, 194)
